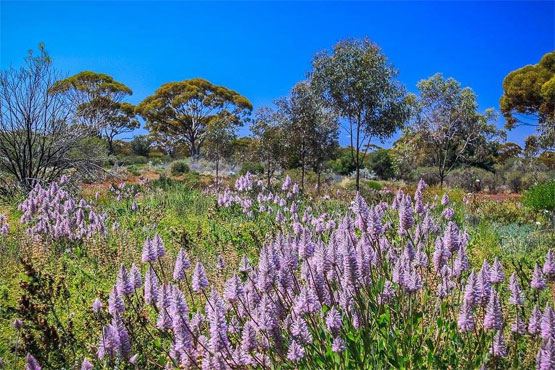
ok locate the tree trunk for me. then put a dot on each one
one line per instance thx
(302, 174)
(110, 146)
(217, 169)
(318, 182)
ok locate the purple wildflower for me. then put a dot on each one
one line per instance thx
(151, 286)
(466, 318)
(182, 264)
(493, 319)
(31, 363)
(233, 289)
(497, 275)
(200, 281)
(518, 326)
(86, 365)
(445, 200)
(295, 352)
(124, 284)
(149, 251)
(109, 343)
(115, 303)
(548, 323)
(333, 321)
(546, 356)
(517, 298)
(538, 281)
(499, 348)
(136, 276)
(549, 264)
(97, 305)
(338, 345)
(535, 320)
(17, 324)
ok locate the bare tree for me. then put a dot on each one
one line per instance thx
(39, 140)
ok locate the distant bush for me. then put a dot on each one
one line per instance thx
(428, 174)
(381, 163)
(126, 160)
(541, 196)
(471, 179)
(179, 168)
(140, 145)
(134, 170)
(252, 167)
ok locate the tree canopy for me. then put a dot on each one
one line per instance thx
(447, 124)
(99, 101)
(358, 82)
(529, 92)
(186, 109)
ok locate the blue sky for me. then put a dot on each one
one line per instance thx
(262, 49)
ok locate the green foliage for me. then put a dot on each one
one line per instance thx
(381, 163)
(179, 168)
(343, 164)
(357, 81)
(530, 91)
(252, 167)
(448, 127)
(541, 196)
(186, 109)
(471, 179)
(140, 145)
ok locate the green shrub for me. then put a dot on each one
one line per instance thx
(471, 179)
(134, 170)
(179, 168)
(252, 167)
(140, 145)
(381, 164)
(541, 196)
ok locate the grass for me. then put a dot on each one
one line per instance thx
(186, 216)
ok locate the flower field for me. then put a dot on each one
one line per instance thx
(177, 274)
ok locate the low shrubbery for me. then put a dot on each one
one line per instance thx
(541, 196)
(179, 167)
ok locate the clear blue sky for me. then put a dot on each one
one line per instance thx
(262, 49)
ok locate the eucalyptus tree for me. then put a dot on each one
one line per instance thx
(529, 99)
(312, 130)
(268, 130)
(358, 82)
(186, 109)
(99, 102)
(447, 124)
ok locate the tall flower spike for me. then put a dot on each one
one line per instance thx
(295, 352)
(182, 264)
(159, 245)
(499, 348)
(86, 365)
(493, 319)
(109, 343)
(471, 294)
(546, 356)
(497, 275)
(466, 318)
(548, 323)
(149, 251)
(124, 284)
(200, 281)
(517, 298)
(535, 321)
(31, 363)
(136, 276)
(115, 303)
(151, 286)
(549, 264)
(538, 281)
(518, 326)
(461, 262)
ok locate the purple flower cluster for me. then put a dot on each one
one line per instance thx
(54, 214)
(312, 282)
